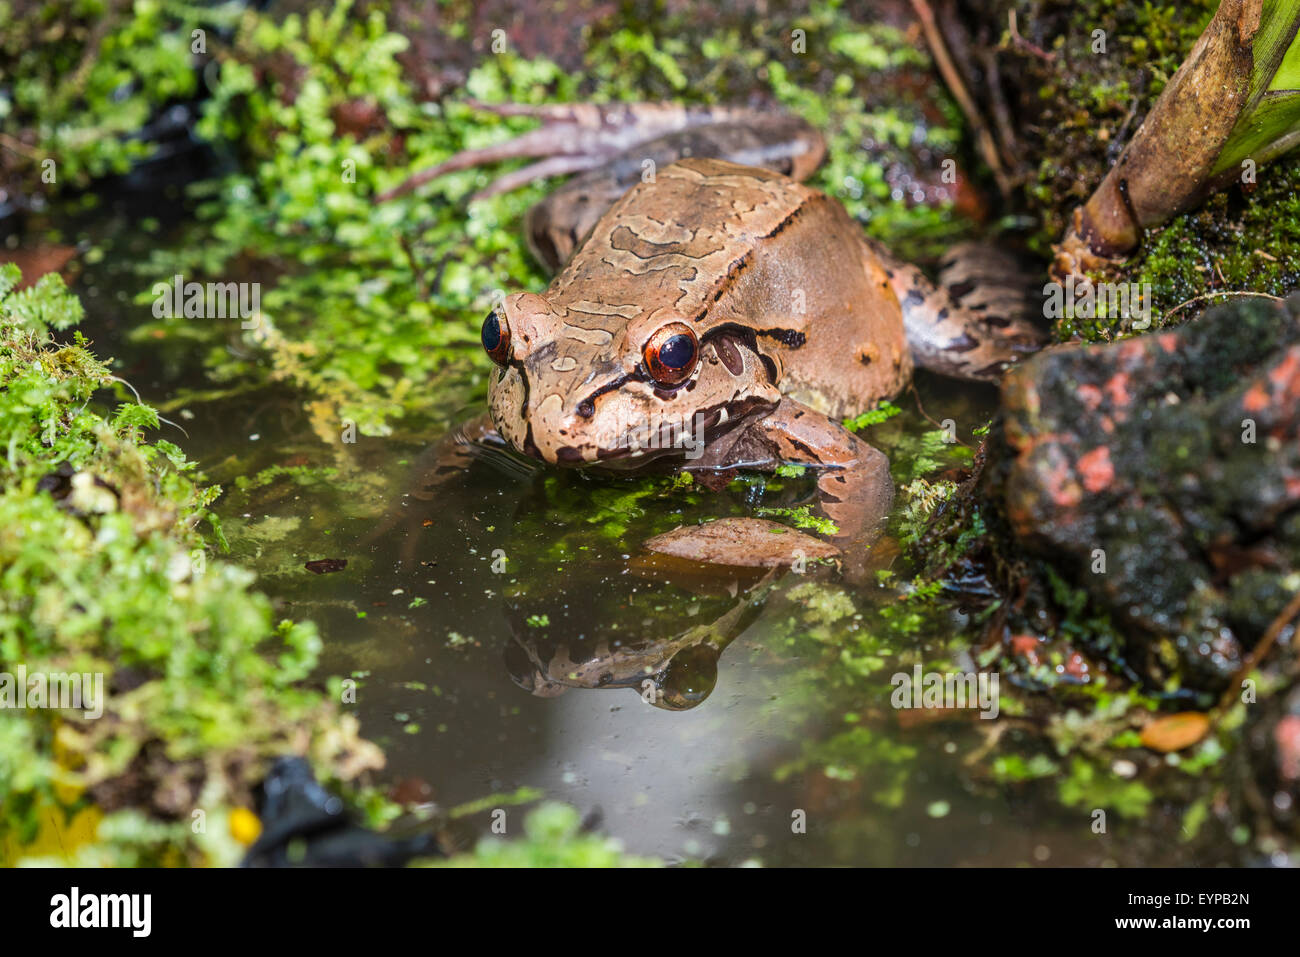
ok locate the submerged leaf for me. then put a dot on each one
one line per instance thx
(741, 542)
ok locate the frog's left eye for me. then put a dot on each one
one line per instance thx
(671, 352)
(496, 338)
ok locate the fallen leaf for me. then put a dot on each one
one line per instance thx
(1176, 731)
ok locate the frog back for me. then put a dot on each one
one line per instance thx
(751, 253)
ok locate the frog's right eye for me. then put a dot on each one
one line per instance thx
(496, 337)
(670, 353)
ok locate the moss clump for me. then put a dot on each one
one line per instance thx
(1077, 107)
(1077, 81)
(103, 571)
(79, 77)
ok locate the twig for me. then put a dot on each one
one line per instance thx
(1116, 146)
(1025, 44)
(17, 146)
(1260, 650)
(420, 286)
(926, 415)
(1225, 292)
(1001, 114)
(948, 70)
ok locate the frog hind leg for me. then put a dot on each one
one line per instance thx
(572, 137)
(855, 492)
(976, 322)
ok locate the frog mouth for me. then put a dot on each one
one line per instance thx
(679, 444)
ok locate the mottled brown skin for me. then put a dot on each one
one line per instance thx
(795, 319)
(558, 224)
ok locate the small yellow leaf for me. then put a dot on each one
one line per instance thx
(244, 826)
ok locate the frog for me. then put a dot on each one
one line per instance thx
(712, 313)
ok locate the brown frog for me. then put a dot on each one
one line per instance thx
(714, 315)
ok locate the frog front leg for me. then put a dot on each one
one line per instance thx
(854, 487)
(445, 461)
(855, 490)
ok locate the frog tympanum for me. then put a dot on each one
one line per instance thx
(714, 315)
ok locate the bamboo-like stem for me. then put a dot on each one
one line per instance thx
(1218, 110)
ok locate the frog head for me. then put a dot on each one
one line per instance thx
(617, 386)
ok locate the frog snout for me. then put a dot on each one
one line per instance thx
(557, 432)
(506, 405)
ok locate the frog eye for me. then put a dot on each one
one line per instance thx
(671, 352)
(496, 338)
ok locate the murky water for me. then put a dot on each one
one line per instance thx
(455, 597)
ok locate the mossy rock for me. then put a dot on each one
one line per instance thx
(1162, 475)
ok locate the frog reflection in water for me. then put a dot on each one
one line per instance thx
(705, 292)
(675, 671)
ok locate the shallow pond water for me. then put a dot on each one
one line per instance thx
(454, 595)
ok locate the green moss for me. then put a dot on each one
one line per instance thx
(1077, 108)
(79, 77)
(1088, 785)
(1236, 242)
(103, 571)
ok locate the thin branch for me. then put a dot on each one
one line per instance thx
(1226, 292)
(1260, 650)
(926, 415)
(1025, 44)
(18, 146)
(952, 77)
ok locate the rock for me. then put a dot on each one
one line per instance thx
(1162, 474)
(304, 825)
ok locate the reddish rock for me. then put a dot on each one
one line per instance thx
(1162, 474)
